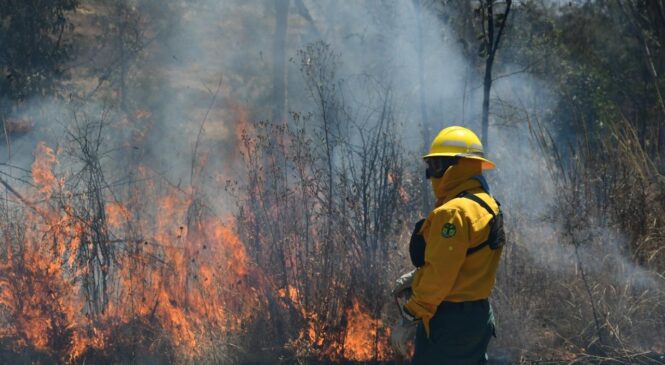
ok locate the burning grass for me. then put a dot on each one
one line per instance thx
(149, 275)
(150, 272)
(169, 280)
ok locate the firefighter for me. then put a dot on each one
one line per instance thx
(456, 251)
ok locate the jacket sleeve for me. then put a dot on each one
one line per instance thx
(445, 252)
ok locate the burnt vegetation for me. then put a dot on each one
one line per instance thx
(190, 181)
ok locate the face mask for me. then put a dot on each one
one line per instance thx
(436, 183)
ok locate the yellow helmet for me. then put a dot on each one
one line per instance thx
(460, 142)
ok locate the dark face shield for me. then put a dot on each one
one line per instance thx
(437, 166)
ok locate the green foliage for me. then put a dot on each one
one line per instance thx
(603, 60)
(33, 45)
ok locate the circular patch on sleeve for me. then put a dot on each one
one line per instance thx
(448, 230)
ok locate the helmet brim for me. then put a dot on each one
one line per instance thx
(486, 164)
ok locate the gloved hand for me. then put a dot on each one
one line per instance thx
(403, 285)
(402, 334)
(417, 245)
(405, 330)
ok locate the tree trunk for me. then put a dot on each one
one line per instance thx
(487, 82)
(487, 86)
(425, 131)
(491, 46)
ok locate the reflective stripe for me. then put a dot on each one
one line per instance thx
(454, 143)
(462, 144)
(477, 146)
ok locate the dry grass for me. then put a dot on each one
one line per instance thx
(584, 283)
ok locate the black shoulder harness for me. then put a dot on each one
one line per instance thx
(497, 236)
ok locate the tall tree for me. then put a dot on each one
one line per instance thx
(646, 22)
(425, 131)
(492, 27)
(34, 46)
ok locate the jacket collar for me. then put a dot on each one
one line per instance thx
(458, 178)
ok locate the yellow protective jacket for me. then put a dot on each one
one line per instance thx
(455, 225)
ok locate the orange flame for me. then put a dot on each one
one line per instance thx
(365, 338)
(176, 264)
(42, 168)
(186, 271)
(362, 340)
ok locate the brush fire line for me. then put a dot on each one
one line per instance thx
(185, 276)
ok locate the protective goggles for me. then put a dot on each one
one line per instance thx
(437, 166)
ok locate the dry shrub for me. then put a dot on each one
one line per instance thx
(140, 341)
(584, 281)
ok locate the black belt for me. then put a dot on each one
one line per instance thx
(444, 306)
